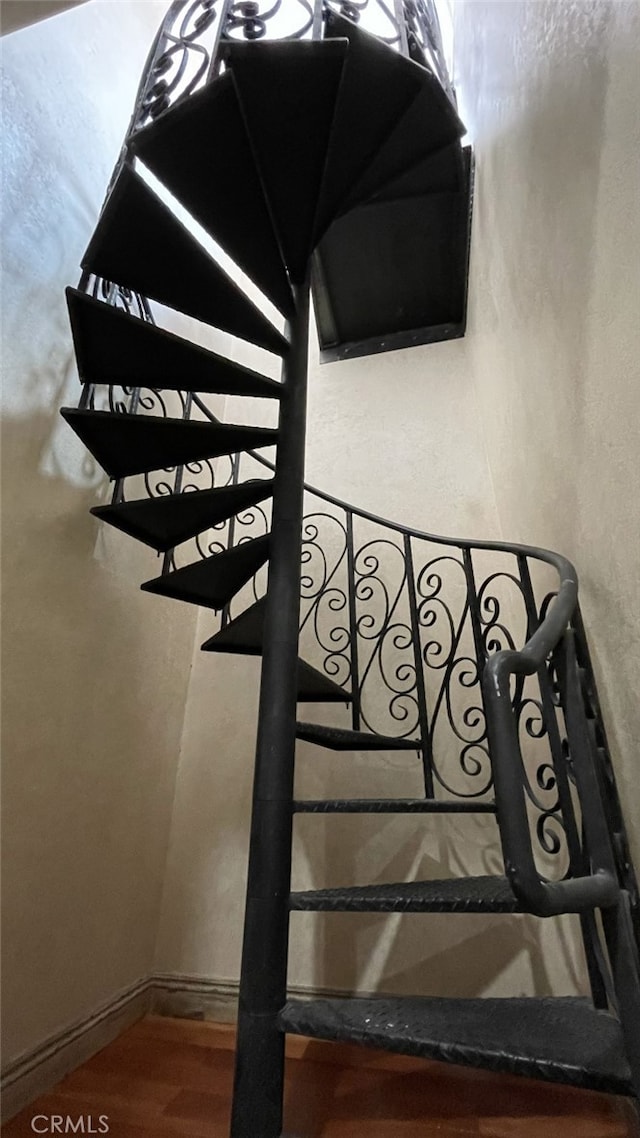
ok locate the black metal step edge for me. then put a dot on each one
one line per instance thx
(401, 1025)
(206, 440)
(227, 376)
(390, 806)
(341, 739)
(247, 627)
(238, 564)
(156, 521)
(456, 895)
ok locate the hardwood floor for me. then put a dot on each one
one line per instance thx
(171, 1078)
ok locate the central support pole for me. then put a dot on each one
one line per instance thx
(259, 1077)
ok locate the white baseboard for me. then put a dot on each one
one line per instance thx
(36, 1071)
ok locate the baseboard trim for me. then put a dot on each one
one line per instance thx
(36, 1071)
(163, 993)
(198, 997)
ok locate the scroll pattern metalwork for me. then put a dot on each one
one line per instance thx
(188, 49)
(405, 623)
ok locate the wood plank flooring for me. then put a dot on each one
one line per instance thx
(171, 1078)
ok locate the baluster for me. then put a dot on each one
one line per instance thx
(225, 616)
(398, 8)
(168, 562)
(421, 695)
(353, 628)
(474, 609)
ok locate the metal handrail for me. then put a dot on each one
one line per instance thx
(599, 888)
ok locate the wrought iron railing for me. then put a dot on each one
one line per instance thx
(186, 52)
(409, 624)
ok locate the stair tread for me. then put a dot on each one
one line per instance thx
(243, 636)
(132, 444)
(382, 247)
(113, 347)
(140, 244)
(423, 135)
(169, 519)
(315, 687)
(391, 806)
(456, 895)
(288, 92)
(443, 172)
(341, 739)
(379, 88)
(558, 1039)
(213, 581)
(184, 149)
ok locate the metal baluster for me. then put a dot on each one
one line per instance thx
(474, 608)
(398, 8)
(225, 615)
(353, 626)
(168, 563)
(421, 695)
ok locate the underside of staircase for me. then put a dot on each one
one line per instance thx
(335, 163)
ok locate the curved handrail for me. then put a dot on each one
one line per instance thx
(544, 898)
(597, 889)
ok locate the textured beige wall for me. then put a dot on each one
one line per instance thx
(526, 430)
(94, 672)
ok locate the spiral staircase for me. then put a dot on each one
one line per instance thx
(268, 155)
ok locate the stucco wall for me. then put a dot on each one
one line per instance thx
(525, 429)
(94, 672)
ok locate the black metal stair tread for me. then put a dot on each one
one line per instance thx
(340, 739)
(455, 895)
(132, 444)
(439, 173)
(288, 92)
(140, 244)
(243, 637)
(558, 1039)
(380, 88)
(315, 687)
(213, 581)
(428, 132)
(391, 806)
(167, 520)
(201, 151)
(113, 347)
(383, 246)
